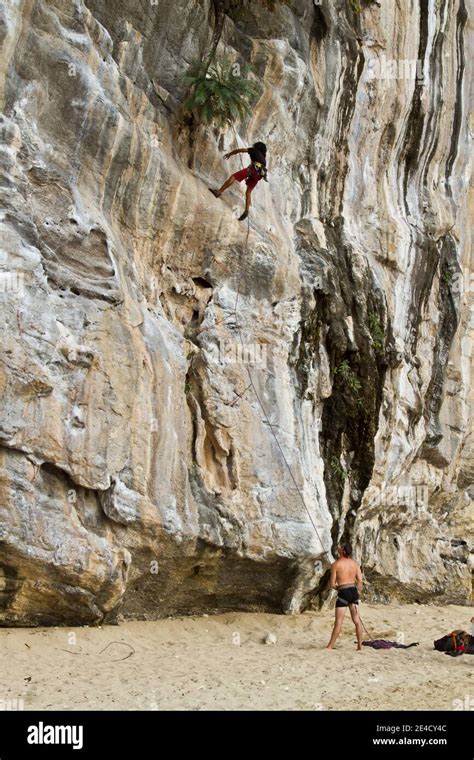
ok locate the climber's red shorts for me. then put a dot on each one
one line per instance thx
(250, 176)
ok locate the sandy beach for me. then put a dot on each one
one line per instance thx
(221, 662)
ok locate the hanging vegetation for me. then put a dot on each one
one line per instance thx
(219, 94)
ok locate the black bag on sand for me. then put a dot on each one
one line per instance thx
(455, 643)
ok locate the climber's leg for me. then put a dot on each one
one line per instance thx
(236, 177)
(247, 204)
(225, 186)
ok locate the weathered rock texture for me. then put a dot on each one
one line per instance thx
(138, 470)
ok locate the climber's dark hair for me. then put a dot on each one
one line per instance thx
(261, 147)
(346, 550)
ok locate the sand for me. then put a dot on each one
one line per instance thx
(220, 662)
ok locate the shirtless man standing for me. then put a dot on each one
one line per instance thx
(347, 579)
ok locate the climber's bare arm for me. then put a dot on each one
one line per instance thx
(332, 578)
(234, 152)
(359, 579)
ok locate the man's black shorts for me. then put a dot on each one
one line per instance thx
(346, 596)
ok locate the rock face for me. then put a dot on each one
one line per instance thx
(161, 364)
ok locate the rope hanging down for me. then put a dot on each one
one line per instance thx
(265, 415)
(257, 396)
(252, 385)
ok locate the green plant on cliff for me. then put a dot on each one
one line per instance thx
(219, 94)
(377, 333)
(349, 377)
(350, 380)
(447, 277)
(356, 5)
(337, 469)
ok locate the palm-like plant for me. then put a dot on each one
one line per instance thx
(218, 94)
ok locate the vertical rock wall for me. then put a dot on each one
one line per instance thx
(139, 472)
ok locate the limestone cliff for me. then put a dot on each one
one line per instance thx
(139, 472)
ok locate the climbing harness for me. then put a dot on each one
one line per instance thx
(256, 169)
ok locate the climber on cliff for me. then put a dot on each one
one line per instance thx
(346, 578)
(252, 174)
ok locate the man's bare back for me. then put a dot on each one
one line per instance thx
(345, 570)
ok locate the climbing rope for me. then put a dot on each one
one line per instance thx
(251, 382)
(262, 407)
(257, 396)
